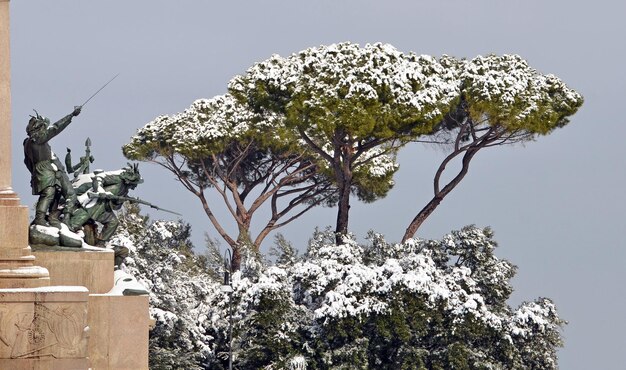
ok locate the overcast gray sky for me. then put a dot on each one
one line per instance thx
(556, 205)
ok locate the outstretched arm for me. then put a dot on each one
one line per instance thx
(61, 124)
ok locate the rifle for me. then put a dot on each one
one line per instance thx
(132, 200)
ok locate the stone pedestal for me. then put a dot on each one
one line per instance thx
(91, 268)
(118, 325)
(17, 269)
(119, 332)
(44, 328)
(16, 262)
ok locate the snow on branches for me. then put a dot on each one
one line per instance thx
(508, 91)
(349, 74)
(341, 113)
(422, 301)
(206, 126)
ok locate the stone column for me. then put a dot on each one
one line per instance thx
(5, 103)
(16, 260)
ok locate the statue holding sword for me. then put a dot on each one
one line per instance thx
(48, 177)
(89, 201)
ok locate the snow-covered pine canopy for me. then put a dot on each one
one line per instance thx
(346, 98)
(348, 109)
(207, 126)
(377, 91)
(368, 93)
(507, 91)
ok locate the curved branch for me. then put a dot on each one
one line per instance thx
(483, 141)
(222, 192)
(239, 158)
(176, 170)
(272, 223)
(205, 205)
(288, 180)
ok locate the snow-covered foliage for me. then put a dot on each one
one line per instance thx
(375, 74)
(335, 116)
(162, 260)
(376, 90)
(418, 305)
(220, 144)
(208, 125)
(347, 100)
(508, 91)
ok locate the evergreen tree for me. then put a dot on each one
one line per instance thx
(502, 101)
(353, 107)
(315, 128)
(219, 145)
(326, 123)
(437, 304)
(162, 259)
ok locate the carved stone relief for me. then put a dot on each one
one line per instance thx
(56, 330)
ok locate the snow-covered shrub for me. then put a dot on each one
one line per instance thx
(418, 305)
(422, 304)
(161, 258)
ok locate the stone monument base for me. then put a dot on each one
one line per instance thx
(119, 331)
(44, 364)
(118, 325)
(23, 277)
(44, 328)
(17, 268)
(88, 267)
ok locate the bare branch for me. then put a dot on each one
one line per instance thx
(221, 191)
(243, 153)
(272, 225)
(205, 205)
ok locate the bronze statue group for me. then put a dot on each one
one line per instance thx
(89, 201)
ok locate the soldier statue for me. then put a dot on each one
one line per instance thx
(48, 177)
(99, 198)
(89, 200)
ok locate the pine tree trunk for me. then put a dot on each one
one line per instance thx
(235, 263)
(436, 200)
(243, 241)
(342, 214)
(421, 217)
(344, 180)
